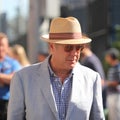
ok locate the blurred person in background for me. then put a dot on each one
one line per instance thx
(8, 66)
(113, 84)
(18, 52)
(42, 56)
(90, 60)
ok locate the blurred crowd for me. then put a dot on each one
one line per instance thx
(110, 81)
(14, 58)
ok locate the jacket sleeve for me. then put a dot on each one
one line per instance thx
(16, 106)
(97, 105)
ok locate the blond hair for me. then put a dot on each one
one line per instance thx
(20, 54)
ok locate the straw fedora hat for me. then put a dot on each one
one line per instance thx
(65, 31)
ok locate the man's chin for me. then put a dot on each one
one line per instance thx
(72, 65)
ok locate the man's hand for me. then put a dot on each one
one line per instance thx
(111, 83)
(5, 78)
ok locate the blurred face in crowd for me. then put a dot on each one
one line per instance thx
(65, 57)
(3, 47)
(108, 59)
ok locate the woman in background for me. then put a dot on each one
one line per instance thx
(18, 52)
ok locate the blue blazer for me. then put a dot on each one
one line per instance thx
(31, 95)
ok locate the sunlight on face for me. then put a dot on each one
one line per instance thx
(108, 59)
(63, 59)
(3, 47)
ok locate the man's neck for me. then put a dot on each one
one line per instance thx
(61, 73)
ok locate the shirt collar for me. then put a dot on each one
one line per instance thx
(52, 74)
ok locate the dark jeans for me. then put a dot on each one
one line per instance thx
(104, 95)
(3, 109)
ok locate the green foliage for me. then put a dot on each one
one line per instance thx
(116, 44)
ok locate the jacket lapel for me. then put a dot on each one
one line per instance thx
(76, 95)
(46, 87)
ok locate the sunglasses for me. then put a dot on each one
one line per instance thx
(69, 48)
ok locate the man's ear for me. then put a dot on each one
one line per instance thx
(51, 47)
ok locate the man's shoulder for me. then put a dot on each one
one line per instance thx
(11, 63)
(116, 68)
(32, 69)
(10, 60)
(84, 69)
(86, 72)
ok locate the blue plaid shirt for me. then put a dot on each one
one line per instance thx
(62, 93)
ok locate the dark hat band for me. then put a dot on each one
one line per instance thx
(65, 35)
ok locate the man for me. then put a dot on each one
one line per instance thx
(113, 84)
(7, 68)
(89, 59)
(58, 88)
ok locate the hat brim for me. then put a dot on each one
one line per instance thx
(82, 40)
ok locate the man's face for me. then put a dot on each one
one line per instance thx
(65, 56)
(3, 47)
(108, 59)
